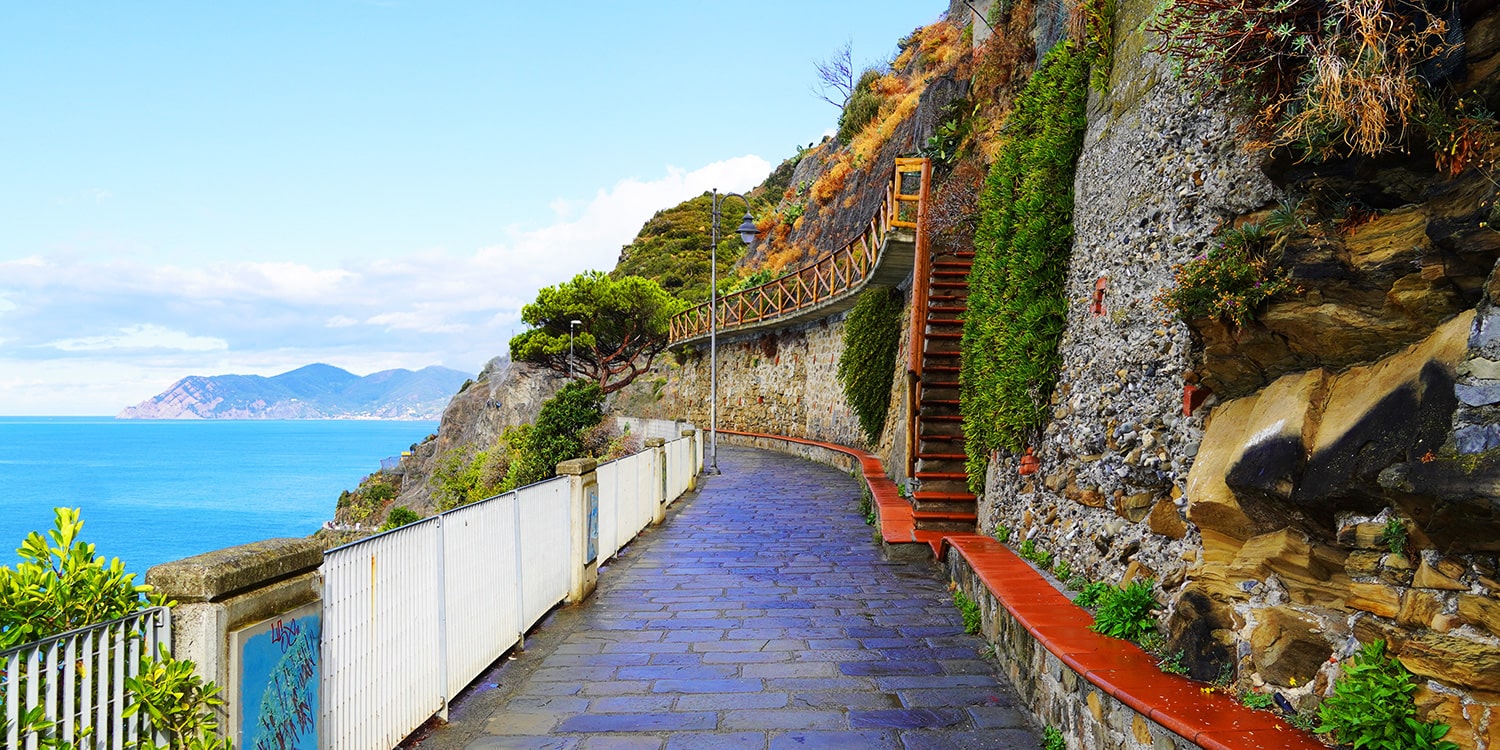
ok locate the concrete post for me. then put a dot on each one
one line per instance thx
(583, 493)
(224, 597)
(660, 484)
(697, 451)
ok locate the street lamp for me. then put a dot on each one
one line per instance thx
(747, 231)
(571, 325)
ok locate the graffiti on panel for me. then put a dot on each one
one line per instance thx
(278, 685)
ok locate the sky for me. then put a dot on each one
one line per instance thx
(245, 187)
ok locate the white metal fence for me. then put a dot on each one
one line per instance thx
(413, 615)
(76, 682)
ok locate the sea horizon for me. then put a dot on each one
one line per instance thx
(156, 490)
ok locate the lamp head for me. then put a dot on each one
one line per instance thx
(747, 229)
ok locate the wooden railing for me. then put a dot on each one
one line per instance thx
(833, 275)
(920, 291)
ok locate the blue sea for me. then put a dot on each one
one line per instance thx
(154, 491)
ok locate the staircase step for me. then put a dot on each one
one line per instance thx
(942, 475)
(942, 456)
(952, 497)
(946, 298)
(945, 265)
(942, 418)
(947, 308)
(939, 383)
(941, 368)
(945, 334)
(949, 285)
(950, 273)
(948, 322)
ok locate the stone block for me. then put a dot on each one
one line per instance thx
(1166, 521)
(1480, 611)
(1453, 659)
(1375, 598)
(1286, 647)
(1428, 577)
(1212, 505)
(1418, 607)
(222, 573)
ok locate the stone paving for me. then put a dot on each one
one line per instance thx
(760, 615)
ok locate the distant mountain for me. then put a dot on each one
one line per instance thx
(313, 392)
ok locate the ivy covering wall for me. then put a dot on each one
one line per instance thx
(1016, 307)
(867, 366)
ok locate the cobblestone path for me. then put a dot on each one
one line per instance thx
(760, 615)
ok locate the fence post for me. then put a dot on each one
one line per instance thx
(696, 451)
(659, 487)
(583, 493)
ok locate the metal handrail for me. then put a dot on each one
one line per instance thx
(827, 277)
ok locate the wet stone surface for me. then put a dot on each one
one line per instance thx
(760, 615)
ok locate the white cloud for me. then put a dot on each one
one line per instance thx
(70, 320)
(142, 337)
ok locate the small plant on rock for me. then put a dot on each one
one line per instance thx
(1002, 533)
(968, 608)
(1257, 700)
(399, 516)
(1127, 612)
(1372, 706)
(1090, 593)
(1053, 739)
(1172, 663)
(1231, 281)
(1393, 536)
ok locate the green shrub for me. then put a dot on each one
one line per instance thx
(60, 584)
(861, 109)
(1372, 707)
(557, 435)
(1017, 303)
(1126, 613)
(1062, 570)
(867, 366)
(1172, 663)
(1231, 281)
(1052, 739)
(968, 609)
(399, 516)
(1089, 594)
(1257, 700)
(1002, 533)
(467, 476)
(1393, 536)
(178, 703)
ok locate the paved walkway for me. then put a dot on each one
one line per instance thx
(759, 615)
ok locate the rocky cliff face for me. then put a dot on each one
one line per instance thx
(1362, 408)
(504, 395)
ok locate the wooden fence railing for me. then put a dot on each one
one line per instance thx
(833, 275)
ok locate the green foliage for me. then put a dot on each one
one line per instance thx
(1232, 280)
(60, 584)
(867, 505)
(763, 276)
(399, 516)
(672, 249)
(1393, 536)
(1328, 78)
(177, 702)
(1172, 663)
(372, 494)
(1052, 739)
(1029, 551)
(1126, 613)
(968, 608)
(1017, 304)
(558, 434)
(867, 366)
(949, 136)
(623, 326)
(1372, 707)
(1002, 533)
(861, 109)
(1062, 570)
(1257, 700)
(1090, 594)
(466, 476)
(1098, 18)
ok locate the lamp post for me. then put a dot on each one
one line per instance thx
(571, 325)
(747, 231)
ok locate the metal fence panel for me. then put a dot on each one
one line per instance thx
(382, 655)
(546, 547)
(481, 587)
(78, 678)
(610, 522)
